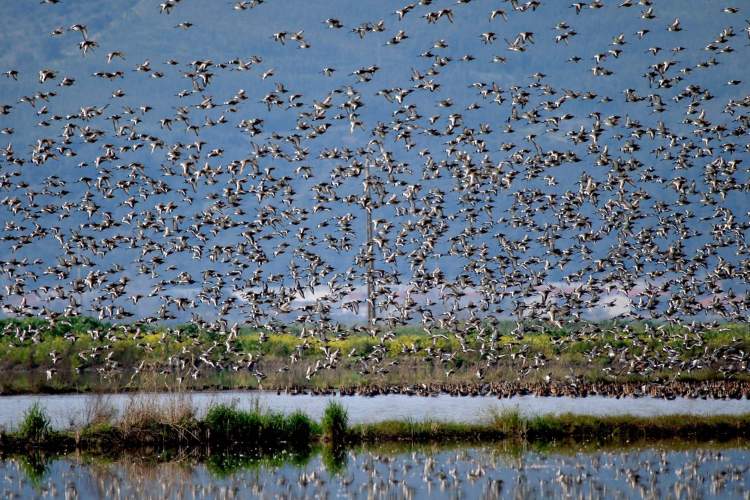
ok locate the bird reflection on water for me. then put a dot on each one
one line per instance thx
(400, 473)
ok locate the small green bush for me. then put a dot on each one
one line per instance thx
(229, 424)
(300, 429)
(268, 430)
(35, 425)
(335, 421)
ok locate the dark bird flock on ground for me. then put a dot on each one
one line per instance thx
(447, 163)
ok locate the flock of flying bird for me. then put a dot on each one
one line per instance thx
(540, 199)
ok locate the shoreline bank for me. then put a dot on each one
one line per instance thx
(175, 425)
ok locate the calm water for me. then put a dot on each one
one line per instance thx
(67, 409)
(400, 473)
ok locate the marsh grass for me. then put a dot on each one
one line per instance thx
(150, 418)
(509, 421)
(98, 411)
(171, 423)
(148, 409)
(499, 424)
(422, 431)
(628, 427)
(35, 426)
(511, 424)
(229, 425)
(335, 422)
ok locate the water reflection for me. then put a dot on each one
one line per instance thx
(502, 470)
(35, 467)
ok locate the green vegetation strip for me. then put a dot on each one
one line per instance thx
(560, 427)
(175, 425)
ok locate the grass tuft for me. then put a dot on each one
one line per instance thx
(509, 421)
(335, 422)
(35, 426)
